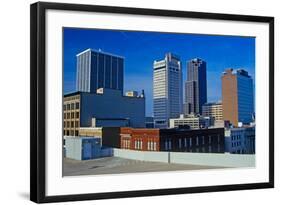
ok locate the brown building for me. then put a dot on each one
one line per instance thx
(177, 140)
(229, 97)
(237, 96)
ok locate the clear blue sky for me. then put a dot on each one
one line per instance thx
(140, 49)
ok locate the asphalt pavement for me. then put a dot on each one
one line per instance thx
(116, 165)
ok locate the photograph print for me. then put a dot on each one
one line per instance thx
(142, 101)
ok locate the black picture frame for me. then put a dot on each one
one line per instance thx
(38, 101)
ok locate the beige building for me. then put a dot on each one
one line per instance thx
(194, 121)
(212, 110)
(71, 115)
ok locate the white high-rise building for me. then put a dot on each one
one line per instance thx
(167, 90)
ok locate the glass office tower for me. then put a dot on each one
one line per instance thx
(195, 86)
(97, 69)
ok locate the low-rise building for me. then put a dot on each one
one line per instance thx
(213, 110)
(105, 108)
(194, 121)
(240, 140)
(110, 136)
(85, 148)
(177, 140)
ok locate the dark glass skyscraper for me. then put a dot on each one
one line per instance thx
(97, 69)
(195, 86)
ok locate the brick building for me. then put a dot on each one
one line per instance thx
(176, 140)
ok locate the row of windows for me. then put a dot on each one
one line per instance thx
(188, 142)
(235, 144)
(70, 132)
(151, 145)
(138, 144)
(238, 137)
(71, 106)
(71, 115)
(70, 124)
(126, 144)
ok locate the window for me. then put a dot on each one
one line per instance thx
(72, 115)
(185, 142)
(170, 144)
(77, 114)
(72, 106)
(68, 106)
(203, 140)
(76, 132)
(76, 123)
(68, 115)
(166, 144)
(197, 141)
(72, 124)
(64, 107)
(77, 105)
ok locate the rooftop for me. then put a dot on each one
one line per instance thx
(99, 51)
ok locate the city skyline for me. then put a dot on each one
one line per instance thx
(140, 49)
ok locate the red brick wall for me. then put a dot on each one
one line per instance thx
(140, 139)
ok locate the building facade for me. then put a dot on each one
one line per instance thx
(237, 96)
(167, 90)
(240, 140)
(174, 140)
(212, 110)
(97, 69)
(110, 136)
(105, 108)
(139, 139)
(193, 121)
(195, 86)
(149, 122)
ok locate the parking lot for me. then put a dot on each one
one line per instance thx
(116, 165)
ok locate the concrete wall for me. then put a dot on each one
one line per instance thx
(141, 155)
(207, 159)
(73, 148)
(222, 160)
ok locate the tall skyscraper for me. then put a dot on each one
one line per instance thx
(237, 96)
(195, 86)
(97, 69)
(167, 90)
